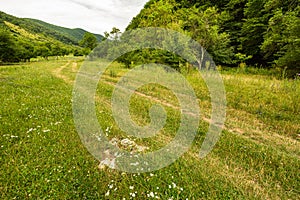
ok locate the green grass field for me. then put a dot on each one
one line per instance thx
(42, 157)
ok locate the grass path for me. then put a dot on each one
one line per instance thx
(244, 130)
(58, 72)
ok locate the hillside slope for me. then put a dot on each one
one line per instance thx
(74, 34)
(22, 39)
(65, 35)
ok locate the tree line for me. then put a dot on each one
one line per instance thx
(261, 33)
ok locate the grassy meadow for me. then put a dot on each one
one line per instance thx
(42, 157)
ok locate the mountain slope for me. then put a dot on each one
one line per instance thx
(29, 38)
(74, 34)
(65, 35)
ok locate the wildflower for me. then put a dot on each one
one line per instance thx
(131, 187)
(107, 131)
(31, 129)
(174, 185)
(127, 143)
(151, 194)
(132, 194)
(107, 193)
(135, 164)
(142, 149)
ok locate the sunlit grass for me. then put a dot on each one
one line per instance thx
(42, 155)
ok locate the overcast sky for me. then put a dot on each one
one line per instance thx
(96, 16)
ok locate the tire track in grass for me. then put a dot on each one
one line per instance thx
(241, 178)
(247, 126)
(231, 126)
(236, 174)
(231, 123)
(58, 72)
(74, 67)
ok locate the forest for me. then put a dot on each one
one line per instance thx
(259, 33)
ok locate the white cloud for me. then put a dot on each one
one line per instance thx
(93, 15)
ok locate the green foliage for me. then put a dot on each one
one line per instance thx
(7, 46)
(115, 33)
(88, 41)
(282, 38)
(43, 51)
(255, 32)
(25, 50)
(264, 34)
(203, 25)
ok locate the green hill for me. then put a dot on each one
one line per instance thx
(73, 34)
(23, 38)
(65, 35)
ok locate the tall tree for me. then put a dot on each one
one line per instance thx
(204, 27)
(253, 30)
(89, 40)
(282, 40)
(115, 33)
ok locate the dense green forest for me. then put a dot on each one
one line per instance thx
(23, 39)
(261, 33)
